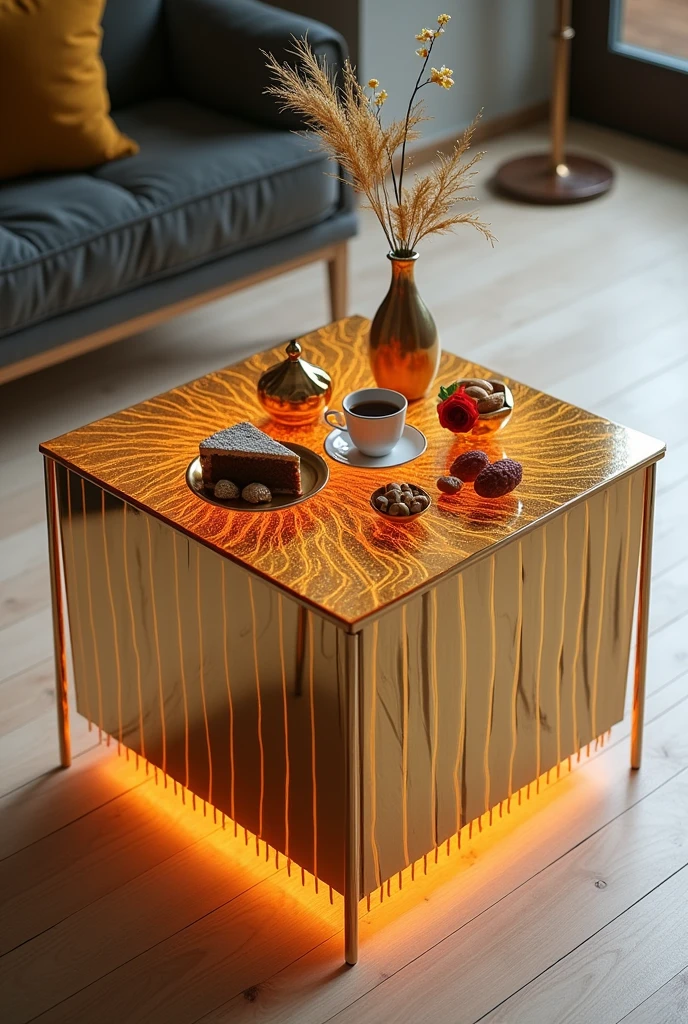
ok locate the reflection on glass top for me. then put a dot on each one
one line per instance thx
(333, 551)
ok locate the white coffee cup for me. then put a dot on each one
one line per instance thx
(374, 431)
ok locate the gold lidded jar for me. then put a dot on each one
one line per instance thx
(294, 392)
(404, 343)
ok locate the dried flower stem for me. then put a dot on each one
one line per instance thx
(408, 114)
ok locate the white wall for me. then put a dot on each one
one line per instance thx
(499, 50)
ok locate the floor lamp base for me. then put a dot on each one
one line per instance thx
(533, 180)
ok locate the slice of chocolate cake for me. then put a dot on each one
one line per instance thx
(245, 455)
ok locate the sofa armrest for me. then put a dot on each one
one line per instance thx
(216, 60)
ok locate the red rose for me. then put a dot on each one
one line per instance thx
(459, 412)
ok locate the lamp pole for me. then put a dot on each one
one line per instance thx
(557, 176)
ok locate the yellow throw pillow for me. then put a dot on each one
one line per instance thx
(54, 105)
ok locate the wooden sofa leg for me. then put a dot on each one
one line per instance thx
(338, 275)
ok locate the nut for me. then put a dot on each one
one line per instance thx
(475, 392)
(226, 490)
(256, 494)
(498, 479)
(406, 500)
(491, 403)
(449, 484)
(468, 465)
(476, 382)
(393, 486)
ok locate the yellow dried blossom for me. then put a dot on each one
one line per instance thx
(373, 83)
(380, 97)
(442, 77)
(425, 35)
(422, 51)
(442, 19)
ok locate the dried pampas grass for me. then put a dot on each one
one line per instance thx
(348, 122)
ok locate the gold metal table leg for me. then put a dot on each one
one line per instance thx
(58, 613)
(352, 863)
(643, 616)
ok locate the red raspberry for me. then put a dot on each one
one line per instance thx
(468, 465)
(449, 484)
(498, 479)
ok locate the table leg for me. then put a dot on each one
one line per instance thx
(58, 613)
(352, 862)
(643, 615)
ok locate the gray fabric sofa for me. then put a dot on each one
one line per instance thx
(222, 192)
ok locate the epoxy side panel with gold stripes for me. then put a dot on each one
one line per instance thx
(475, 689)
(230, 688)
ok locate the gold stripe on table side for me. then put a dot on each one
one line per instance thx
(115, 637)
(404, 730)
(283, 671)
(76, 610)
(158, 659)
(311, 703)
(142, 739)
(596, 672)
(435, 715)
(460, 746)
(259, 705)
(201, 675)
(541, 643)
(96, 658)
(373, 758)
(579, 635)
(564, 574)
(230, 704)
(182, 670)
(518, 637)
(446, 736)
(492, 677)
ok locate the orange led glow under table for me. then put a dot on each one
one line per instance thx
(351, 690)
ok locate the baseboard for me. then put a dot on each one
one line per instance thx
(423, 150)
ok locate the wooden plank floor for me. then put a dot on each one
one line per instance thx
(117, 903)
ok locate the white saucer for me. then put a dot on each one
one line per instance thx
(410, 445)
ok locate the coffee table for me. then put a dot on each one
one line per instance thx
(352, 690)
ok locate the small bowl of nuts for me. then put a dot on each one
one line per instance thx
(495, 403)
(402, 501)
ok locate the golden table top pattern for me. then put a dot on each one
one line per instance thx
(333, 551)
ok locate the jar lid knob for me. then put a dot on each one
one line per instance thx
(293, 350)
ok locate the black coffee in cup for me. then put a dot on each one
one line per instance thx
(374, 419)
(374, 409)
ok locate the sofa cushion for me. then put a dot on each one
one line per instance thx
(202, 186)
(133, 51)
(54, 107)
